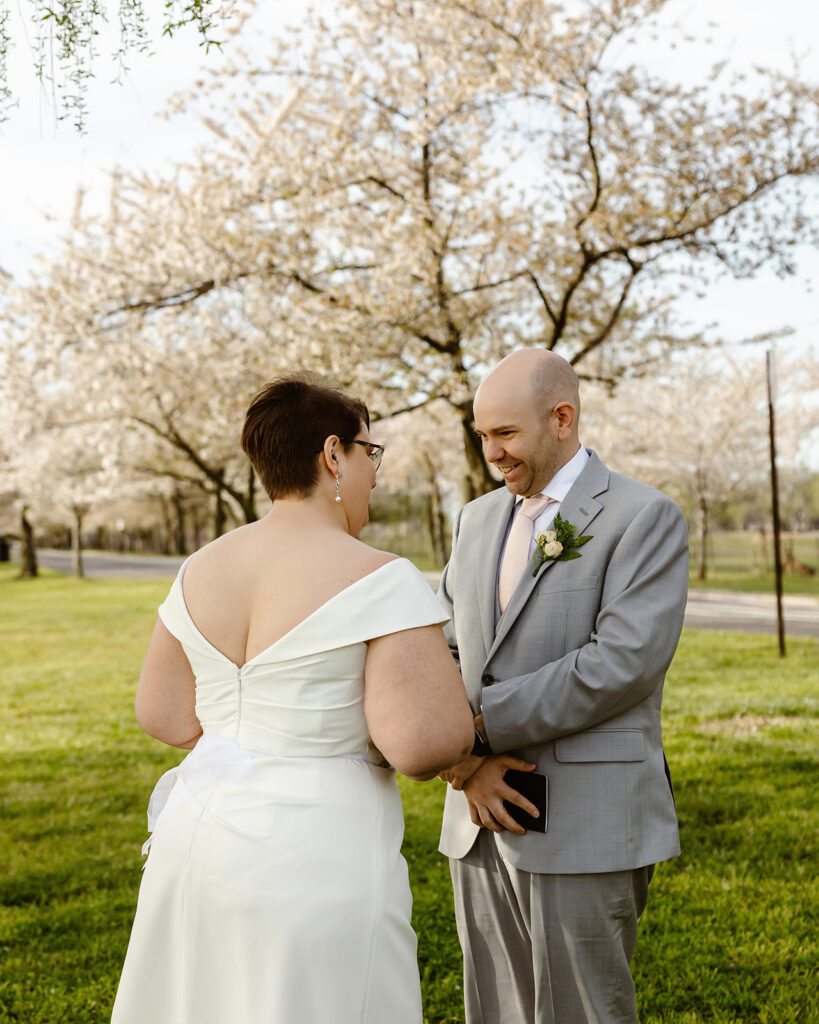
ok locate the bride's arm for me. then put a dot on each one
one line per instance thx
(415, 702)
(165, 699)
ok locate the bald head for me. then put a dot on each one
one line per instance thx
(526, 413)
(533, 375)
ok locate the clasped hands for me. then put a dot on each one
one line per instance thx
(482, 781)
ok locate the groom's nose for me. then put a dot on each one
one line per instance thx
(492, 450)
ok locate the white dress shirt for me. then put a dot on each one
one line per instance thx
(557, 489)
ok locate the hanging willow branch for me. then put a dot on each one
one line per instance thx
(63, 37)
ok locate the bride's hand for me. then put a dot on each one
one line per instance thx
(486, 790)
(457, 775)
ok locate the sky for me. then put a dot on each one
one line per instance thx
(43, 161)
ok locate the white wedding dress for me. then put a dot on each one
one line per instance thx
(275, 891)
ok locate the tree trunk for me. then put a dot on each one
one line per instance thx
(766, 560)
(196, 523)
(76, 543)
(443, 534)
(5, 554)
(180, 542)
(28, 554)
(166, 533)
(477, 480)
(440, 538)
(156, 540)
(251, 513)
(436, 525)
(219, 510)
(243, 501)
(703, 566)
(429, 522)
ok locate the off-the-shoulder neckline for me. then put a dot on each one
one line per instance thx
(284, 636)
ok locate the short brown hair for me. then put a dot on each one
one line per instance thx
(286, 426)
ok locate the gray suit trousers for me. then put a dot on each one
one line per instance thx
(545, 949)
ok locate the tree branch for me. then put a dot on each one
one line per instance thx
(466, 9)
(216, 476)
(398, 412)
(174, 474)
(441, 290)
(488, 285)
(707, 222)
(383, 184)
(177, 299)
(614, 316)
(560, 319)
(597, 189)
(546, 305)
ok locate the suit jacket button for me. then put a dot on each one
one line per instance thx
(486, 679)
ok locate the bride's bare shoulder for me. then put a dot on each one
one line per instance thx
(364, 559)
(221, 552)
(243, 551)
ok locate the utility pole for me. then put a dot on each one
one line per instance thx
(780, 622)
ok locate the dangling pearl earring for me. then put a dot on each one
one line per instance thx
(338, 492)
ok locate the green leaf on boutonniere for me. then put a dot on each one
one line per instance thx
(557, 545)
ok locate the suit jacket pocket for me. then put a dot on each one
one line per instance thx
(571, 583)
(601, 745)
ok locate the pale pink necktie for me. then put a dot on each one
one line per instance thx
(516, 554)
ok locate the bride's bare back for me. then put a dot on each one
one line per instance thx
(248, 589)
(253, 586)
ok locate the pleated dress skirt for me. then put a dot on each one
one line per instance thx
(277, 898)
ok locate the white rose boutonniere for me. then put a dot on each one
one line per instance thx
(548, 543)
(557, 545)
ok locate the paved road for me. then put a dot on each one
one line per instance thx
(106, 565)
(706, 609)
(751, 613)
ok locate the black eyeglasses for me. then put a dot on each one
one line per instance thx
(375, 452)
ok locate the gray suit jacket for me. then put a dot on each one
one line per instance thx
(571, 675)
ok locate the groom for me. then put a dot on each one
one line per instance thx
(563, 660)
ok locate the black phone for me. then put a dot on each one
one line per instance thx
(536, 790)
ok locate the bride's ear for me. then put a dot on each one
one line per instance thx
(330, 453)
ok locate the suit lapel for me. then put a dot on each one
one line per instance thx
(493, 531)
(579, 507)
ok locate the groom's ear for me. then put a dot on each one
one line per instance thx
(566, 416)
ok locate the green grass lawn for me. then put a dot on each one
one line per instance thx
(762, 583)
(730, 930)
(743, 560)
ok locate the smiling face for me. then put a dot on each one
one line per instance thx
(526, 433)
(519, 443)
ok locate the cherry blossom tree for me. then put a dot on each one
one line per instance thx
(79, 472)
(22, 423)
(448, 180)
(425, 459)
(400, 195)
(168, 392)
(58, 461)
(699, 431)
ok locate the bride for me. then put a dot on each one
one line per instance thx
(302, 667)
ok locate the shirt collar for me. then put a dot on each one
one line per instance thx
(563, 480)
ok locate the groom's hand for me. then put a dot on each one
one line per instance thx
(457, 775)
(485, 791)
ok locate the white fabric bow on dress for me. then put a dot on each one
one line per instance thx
(215, 757)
